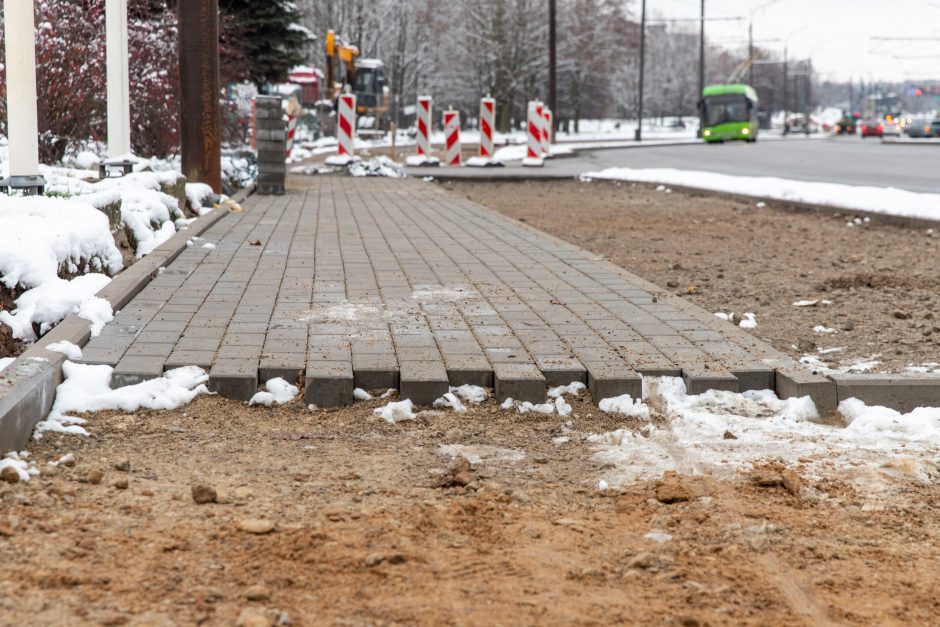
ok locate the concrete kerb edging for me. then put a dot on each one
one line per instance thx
(27, 386)
(791, 378)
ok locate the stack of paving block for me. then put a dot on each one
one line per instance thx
(271, 142)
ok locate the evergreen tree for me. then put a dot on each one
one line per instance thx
(269, 36)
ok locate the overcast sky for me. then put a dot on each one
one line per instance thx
(838, 33)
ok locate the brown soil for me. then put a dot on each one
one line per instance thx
(728, 255)
(373, 527)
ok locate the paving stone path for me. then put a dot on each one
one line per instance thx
(375, 282)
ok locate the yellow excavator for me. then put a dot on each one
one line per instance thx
(364, 77)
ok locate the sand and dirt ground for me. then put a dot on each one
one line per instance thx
(374, 524)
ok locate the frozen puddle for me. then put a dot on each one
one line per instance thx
(480, 453)
(721, 433)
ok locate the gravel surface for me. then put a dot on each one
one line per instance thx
(221, 514)
(876, 286)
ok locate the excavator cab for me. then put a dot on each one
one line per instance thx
(369, 84)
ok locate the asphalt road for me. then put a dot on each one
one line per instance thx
(848, 160)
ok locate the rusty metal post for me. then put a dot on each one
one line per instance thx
(200, 111)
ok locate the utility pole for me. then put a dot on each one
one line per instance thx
(200, 122)
(786, 90)
(119, 107)
(552, 66)
(701, 65)
(639, 120)
(750, 52)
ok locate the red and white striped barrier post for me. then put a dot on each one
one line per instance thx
(453, 152)
(345, 131)
(291, 132)
(533, 156)
(423, 135)
(546, 132)
(487, 120)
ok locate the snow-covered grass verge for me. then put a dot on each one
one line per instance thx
(88, 389)
(884, 200)
(721, 433)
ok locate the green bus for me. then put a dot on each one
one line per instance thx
(729, 112)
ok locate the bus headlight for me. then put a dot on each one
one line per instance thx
(746, 131)
(707, 133)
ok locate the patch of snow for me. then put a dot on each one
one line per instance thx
(17, 461)
(208, 245)
(278, 391)
(574, 388)
(658, 536)
(823, 329)
(6, 361)
(749, 321)
(387, 393)
(396, 411)
(624, 404)
(54, 299)
(71, 351)
(886, 200)
(538, 408)
(88, 389)
(97, 311)
(562, 407)
(450, 400)
(478, 453)
(806, 303)
(197, 194)
(470, 393)
(377, 166)
(361, 395)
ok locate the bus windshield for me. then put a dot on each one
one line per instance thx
(726, 108)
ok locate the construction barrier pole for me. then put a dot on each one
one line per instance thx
(346, 126)
(453, 151)
(546, 132)
(423, 123)
(487, 121)
(533, 155)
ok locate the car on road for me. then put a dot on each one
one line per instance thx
(923, 128)
(846, 125)
(891, 128)
(872, 128)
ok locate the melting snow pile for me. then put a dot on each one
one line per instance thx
(887, 200)
(278, 391)
(722, 432)
(88, 389)
(377, 166)
(21, 464)
(396, 411)
(38, 236)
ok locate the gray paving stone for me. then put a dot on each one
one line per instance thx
(561, 370)
(181, 359)
(236, 379)
(521, 382)
(422, 381)
(133, 370)
(903, 393)
(792, 382)
(469, 370)
(607, 380)
(287, 366)
(375, 371)
(329, 384)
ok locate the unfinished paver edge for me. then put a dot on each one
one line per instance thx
(27, 386)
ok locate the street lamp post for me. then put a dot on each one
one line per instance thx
(22, 113)
(639, 122)
(701, 64)
(552, 66)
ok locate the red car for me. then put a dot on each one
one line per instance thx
(872, 128)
